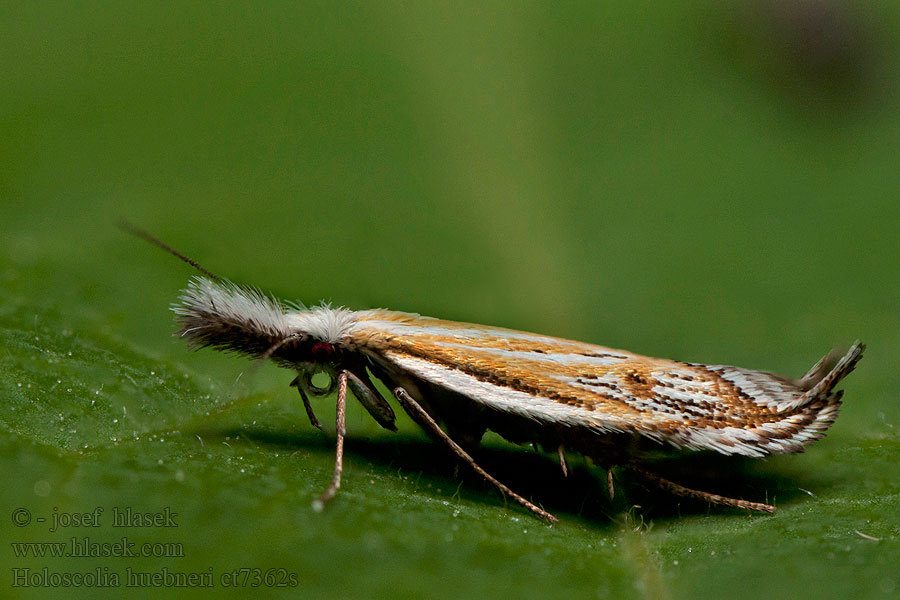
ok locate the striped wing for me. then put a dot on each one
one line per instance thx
(546, 379)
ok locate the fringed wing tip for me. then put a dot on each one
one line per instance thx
(828, 372)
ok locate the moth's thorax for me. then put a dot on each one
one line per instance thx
(321, 323)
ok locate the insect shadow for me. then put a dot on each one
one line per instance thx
(538, 476)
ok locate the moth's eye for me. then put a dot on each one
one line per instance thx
(322, 351)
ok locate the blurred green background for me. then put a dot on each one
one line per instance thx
(708, 181)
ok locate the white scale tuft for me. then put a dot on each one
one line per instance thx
(230, 302)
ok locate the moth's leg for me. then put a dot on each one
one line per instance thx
(309, 411)
(418, 413)
(562, 460)
(680, 490)
(341, 427)
(609, 483)
(369, 396)
(422, 420)
(607, 461)
(395, 379)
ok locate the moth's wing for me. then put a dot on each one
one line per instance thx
(550, 380)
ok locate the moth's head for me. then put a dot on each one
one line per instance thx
(227, 316)
(214, 312)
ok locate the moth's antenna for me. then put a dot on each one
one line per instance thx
(133, 229)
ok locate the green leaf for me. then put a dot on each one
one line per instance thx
(705, 181)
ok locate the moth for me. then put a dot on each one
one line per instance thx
(612, 406)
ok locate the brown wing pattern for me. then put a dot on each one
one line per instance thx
(722, 408)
